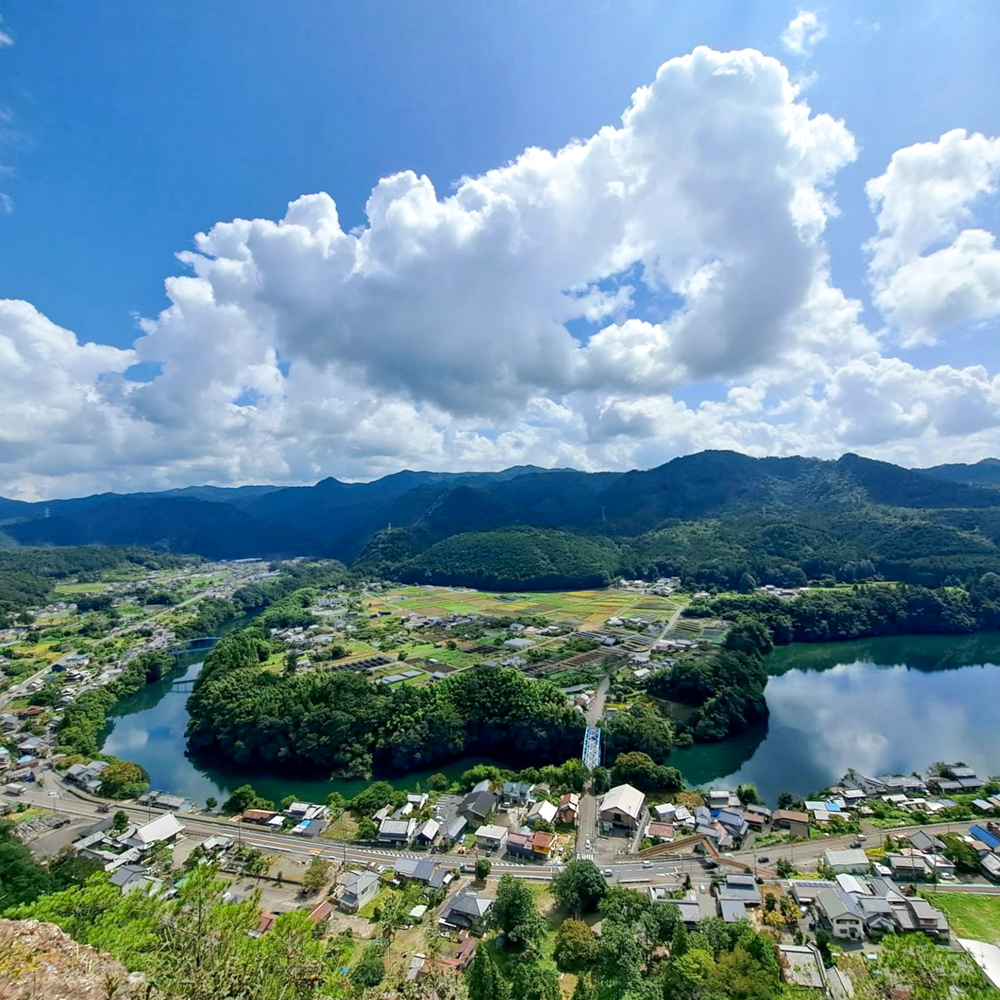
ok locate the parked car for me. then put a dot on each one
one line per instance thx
(764, 860)
(710, 864)
(947, 876)
(862, 837)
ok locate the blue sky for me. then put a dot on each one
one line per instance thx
(130, 128)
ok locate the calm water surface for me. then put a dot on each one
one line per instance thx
(148, 727)
(891, 705)
(881, 705)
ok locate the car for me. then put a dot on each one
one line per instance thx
(764, 860)
(587, 845)
(855, 844)
(647, 864)
(608, 873)
(710, 864)
(862, 837)
(947, 876)
(104, 808)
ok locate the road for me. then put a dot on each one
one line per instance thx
(669, 871)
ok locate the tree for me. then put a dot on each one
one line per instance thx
(119, 821)
(748, 795)
(623, 905)
(579, 887)
(22, 879)
(244, 798)
(438, 782)
(679, 944)
(123, 779)
(367, 830)
(786, 800)
(514, 914)
(370, 969)
(316, 875)
(532, 981)
(483, 869)
(585, 989)
(483, 977)
(576, 946)
(211, 802)
(747, 584)
(389, 920)
(784, 868)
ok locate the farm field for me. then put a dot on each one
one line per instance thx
(970, 916)
(583, 608)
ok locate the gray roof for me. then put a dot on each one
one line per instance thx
(358, 883)
(732, 910)
(925, 842)
(455, 827)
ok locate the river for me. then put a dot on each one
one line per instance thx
(880, 705)
(148, 728)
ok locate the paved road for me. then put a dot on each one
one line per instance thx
(596, 711)
(662, 871)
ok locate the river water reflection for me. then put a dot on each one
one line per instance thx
(882, 705)
(891, 705)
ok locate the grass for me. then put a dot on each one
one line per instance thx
(971, 916)
(80, 588)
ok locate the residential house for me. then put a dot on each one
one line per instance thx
(467, 910)
(742, 888)
(355, 889)
(622, 807)
(491, 837)
(990, 865)
(396, 831)
(260, 817)
(569, 808)
(732, 910)
(796, 823)
(802, 967)
(455, 829)
(163, 829)
(660, 831)
(907, 866)
(735, 823)
(87, 776)
(136, 878)
(429, 832)
(417, 799)
(841, 913)
(477, 807)
(925, 842)
(532, 846)
(516, 793)
(417, 869)
(690, 909)
(851, 861)
(542, 811)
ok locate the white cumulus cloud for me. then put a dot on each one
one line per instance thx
(660, 287)
(803, 33)
(927, 272)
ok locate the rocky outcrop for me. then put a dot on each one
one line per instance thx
(38, 961)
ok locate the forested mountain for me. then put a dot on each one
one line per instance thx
(711, 517)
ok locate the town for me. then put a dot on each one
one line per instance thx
(869, 857)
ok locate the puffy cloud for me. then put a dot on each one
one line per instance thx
(923, 283)
(803, 33)
(658, 288)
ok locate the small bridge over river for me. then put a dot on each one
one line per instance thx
(591, 755)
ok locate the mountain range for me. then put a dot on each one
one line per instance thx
(398, 518)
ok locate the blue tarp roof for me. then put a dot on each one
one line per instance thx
(981, 833)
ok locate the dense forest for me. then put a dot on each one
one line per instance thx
(709, 518)
(864, 611)
(336, 721)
